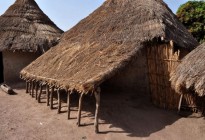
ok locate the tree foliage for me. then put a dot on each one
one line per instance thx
(192, 15)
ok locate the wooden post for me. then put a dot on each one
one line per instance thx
(203, 106)
(97, 97)
(59, 101)
(51, 98)
(68, 103)
(39, 95)
(180, 103)
(80, 108)
(27, 86)
(37, 87)
(48, 94)
(32, 89)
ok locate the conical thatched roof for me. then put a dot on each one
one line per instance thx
(24, 27)
(105, 42)
(189, 77)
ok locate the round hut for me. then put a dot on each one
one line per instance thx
(124, 45)
(188, 79)
(25, 32)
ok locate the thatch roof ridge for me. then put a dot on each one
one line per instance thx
(150, 22)
(105, 42)
(189, 76)
(25, 27)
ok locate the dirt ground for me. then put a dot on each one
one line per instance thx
(122, 117)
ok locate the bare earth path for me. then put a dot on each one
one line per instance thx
(122, 118)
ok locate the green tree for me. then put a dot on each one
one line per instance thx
(192, 15)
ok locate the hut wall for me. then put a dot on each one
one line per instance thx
(1, 69)
(132, 78)
(14, 62)
(162, 60)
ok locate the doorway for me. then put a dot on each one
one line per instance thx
(1, 68)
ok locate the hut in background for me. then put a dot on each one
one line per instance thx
(188, 79)
(25, 32)
(126, 44)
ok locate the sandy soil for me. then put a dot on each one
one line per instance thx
(122, 117)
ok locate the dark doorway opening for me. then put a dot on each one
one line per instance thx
(1, 68)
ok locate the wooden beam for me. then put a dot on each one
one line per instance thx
(37, 87)
(180, 103)
(32, 89)
(203, 105)
(59, 101)
(97, 97)
(51, 98)
(39, 95)
(47, 94)
(80, 108)
(27, 86)
(68, 103)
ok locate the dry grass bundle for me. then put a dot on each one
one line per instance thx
(105, 42)
(24, 27)
(189, 76)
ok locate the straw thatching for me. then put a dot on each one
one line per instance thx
(189, 76)
(25, 32)
(105, 42)
(24, 27)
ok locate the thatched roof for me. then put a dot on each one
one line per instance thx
(24, 27)
(189, 77)
(105, 42)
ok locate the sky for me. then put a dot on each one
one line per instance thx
(67, 13)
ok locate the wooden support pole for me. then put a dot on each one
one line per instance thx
(27, 86)
(29, 89)
(80, 108)
(180, 103)
(47, 94)
(68, 103)
(59, 101)
(32, 89)
(51, 98)
(39, 95)
(97, 97)
(37, 87)
(203, 106)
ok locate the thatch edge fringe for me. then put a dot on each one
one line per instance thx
(43, 80)
(184, 88)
